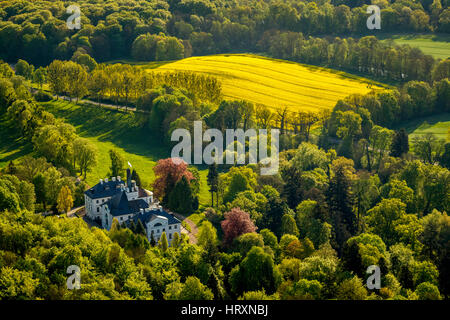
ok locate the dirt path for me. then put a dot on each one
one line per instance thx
(194, 230)
(78, 210)
(102, 105)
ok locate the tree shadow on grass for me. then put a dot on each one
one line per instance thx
(12, 144)
(124, 129)
(423, 123)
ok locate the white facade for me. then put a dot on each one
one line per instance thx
(99, 208)
(94, 208)
(158, 225)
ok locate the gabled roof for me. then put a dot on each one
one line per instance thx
(153, 214)
(144, 193)
(119, 205)
(105, 189)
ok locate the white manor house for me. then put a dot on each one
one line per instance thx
(126, 201)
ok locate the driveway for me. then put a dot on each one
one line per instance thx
(194, 230)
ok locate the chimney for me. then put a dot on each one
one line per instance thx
(118, 178)
(141, 211)
(106, 180)
(128, 178)
(113, 179)
(133, 185)
(101, 181)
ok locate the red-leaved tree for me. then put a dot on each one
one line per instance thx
(168, 173)
(236, 222)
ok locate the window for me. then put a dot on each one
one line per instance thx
(121, 218)
(170, 227)
(175, 226)
(170, 236)
(97, 201)
(164, 230)
(98, 209)
(157, 231)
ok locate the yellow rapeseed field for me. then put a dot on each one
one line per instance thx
(272, 82)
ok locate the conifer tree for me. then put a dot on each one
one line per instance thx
(11, 168)
(163, 243)
(341, 201)
(117, 163)
(445, 158)
(288, 225)
(135, 177)
(176, 240)
(213, 181)
(400, 143)
(352, 258)
(152, 240)
(180, 198)
(132, 226)
(140, 229)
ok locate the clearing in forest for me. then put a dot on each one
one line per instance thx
(273, 82)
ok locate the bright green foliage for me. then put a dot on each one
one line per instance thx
(427, 291)
(288, 225)
(309, 226)
(16, 284)
(65, 200)
(398, 189)
(163, 243)
(151, 47)
(428, 147)
(237, 179)
(371, 248)
(258, 295)
(252, 202)
(256, 272)
(85, 155)
(290, 269)
(16, 194)
(22, 68)
(73, 244)
(351, 289)
(55, 142)
(244, 243)
(269, 239)
(207, 234)
(192, 289)
(301, 290)
(383, 218)
(308, 157)
(319, 268)
(117, 163)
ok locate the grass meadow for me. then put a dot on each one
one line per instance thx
(437, 125)
(436, 45)
(107, 129)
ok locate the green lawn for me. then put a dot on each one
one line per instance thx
(12, 145)
(107, 129)
(437, 125)
(436, 45)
